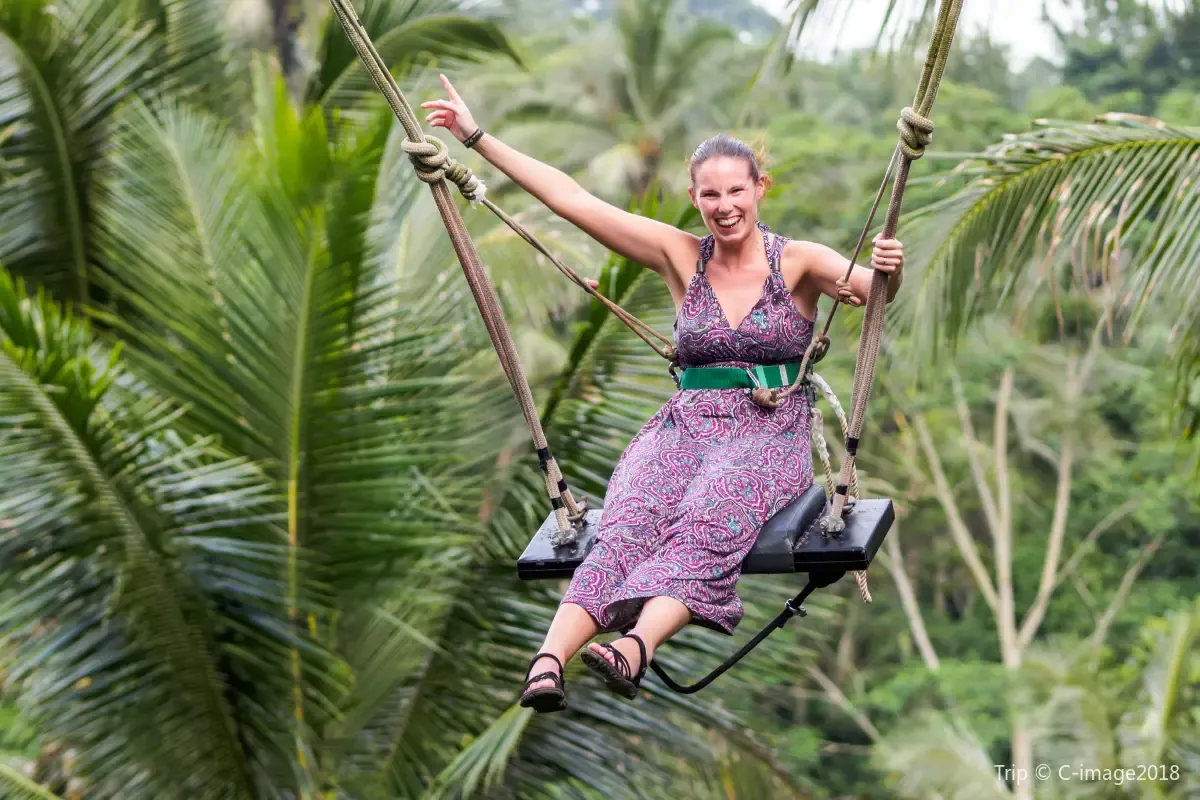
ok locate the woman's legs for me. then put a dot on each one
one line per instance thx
(571, 628)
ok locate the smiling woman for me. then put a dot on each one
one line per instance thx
(689, 496)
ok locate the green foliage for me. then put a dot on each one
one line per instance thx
(262, 481)
(1129, 53)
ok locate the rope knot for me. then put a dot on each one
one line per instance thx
(767, 398)
(916, 132)
(820, 346)
(579, 519)
(432, 162)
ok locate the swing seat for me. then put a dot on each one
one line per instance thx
(791, 541)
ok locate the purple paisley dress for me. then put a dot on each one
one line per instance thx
(691, 492)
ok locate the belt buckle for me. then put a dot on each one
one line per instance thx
(753, 378)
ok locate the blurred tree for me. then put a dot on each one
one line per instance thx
(621, 117)
(1135, 50)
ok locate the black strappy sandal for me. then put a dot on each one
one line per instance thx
(547, 698)
(619, 678)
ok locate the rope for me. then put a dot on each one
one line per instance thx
(433, 163)
(434, 166)
(818, 437)
(817, 433)
(635, 324)
(916, 133)
(823, 387)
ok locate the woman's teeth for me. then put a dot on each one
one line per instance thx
(728, 223)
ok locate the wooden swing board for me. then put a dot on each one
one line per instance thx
(791, 541)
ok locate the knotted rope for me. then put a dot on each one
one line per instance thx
(916, 133)
(434, 165)
(432, 162)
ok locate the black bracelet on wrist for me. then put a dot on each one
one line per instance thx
(473, 138)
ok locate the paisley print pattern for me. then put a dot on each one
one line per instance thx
(695, 485)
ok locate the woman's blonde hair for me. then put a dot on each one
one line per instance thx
(725, 145)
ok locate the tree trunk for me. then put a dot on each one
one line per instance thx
(1022, 748)
(939, 588)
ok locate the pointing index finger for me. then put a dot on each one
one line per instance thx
(449, 88)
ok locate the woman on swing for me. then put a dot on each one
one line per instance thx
(689, 495)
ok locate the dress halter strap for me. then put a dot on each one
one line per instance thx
(774, 252)
(706, 251)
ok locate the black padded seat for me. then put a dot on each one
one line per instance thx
(791, 541)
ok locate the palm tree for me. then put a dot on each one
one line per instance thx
(242, 551)
(67, 68)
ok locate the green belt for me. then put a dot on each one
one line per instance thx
(771, 376)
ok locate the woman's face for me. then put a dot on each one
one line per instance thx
(727, 197)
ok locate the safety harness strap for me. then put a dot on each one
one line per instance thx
(759, 375)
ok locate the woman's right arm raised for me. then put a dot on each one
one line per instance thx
(647, 241)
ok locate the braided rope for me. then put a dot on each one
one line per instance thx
(433, 165)
(817, 434)
(827, 392)
(432, 162)
(916, 133)
(860, 578)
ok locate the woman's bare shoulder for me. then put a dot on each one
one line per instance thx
(683, 254)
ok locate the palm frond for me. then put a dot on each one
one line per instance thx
(17, 787)
(194, 55)
(1106, 209)
(1150, 735)
(408, 35)
(269, 303)
(61, 75)
(482, 763)
(938, 757)
(131, 608)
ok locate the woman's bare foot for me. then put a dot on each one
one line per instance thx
(627, 648)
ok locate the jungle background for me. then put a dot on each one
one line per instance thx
(263, 483)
